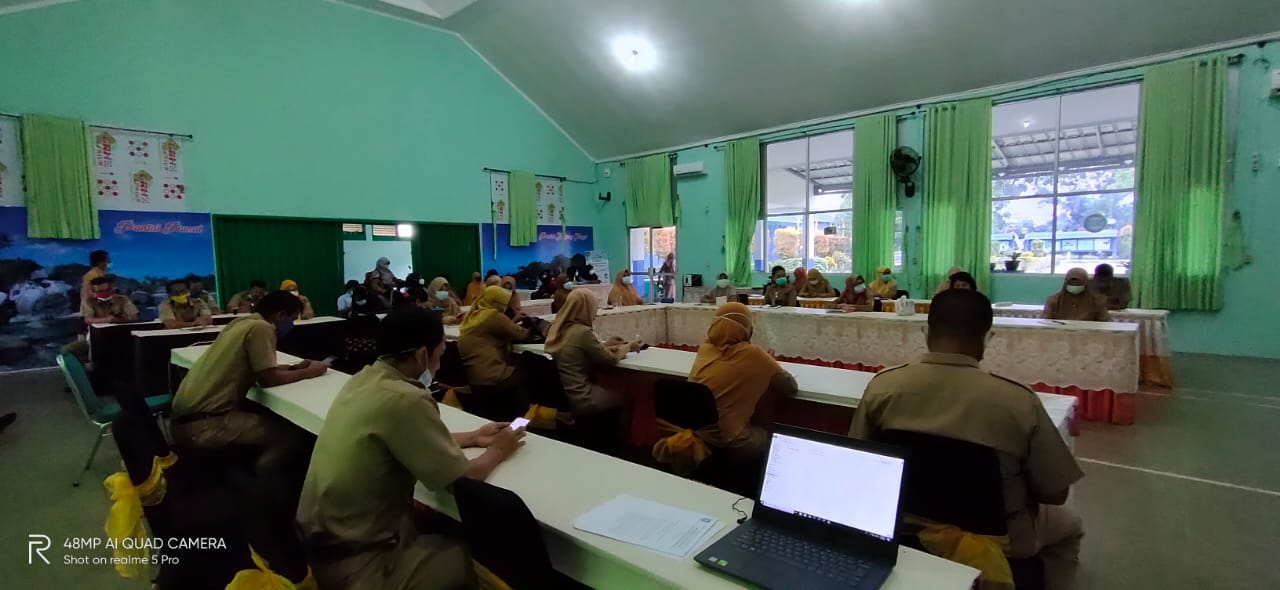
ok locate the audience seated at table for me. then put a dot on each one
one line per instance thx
(623, 292)
(360, 335)
(438, 299)
(801, 276)
(345, 299)
(946, 281)
(103, 306)
(484, 344)
(963, 280)
(473, 289)
(246, 301)
(1076, 301)
(884, 287)
(1116, 290)
(563, 287)
(382, 434)
(946, 394)
(546, 286)
(210, 409)
(855, 296)
(182, 310)
(196, 284)
(780, 291)
(722, 288)
(816, 285)
(509, 283)
(744, 379)
(492, 278)
(290, 286)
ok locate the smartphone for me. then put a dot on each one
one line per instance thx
(519, 423)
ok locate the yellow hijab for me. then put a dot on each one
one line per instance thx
(622, 293)
(822, 289)
(474, 288)
(579, 310)
(492, 301)
(736, 371)
(880, 288)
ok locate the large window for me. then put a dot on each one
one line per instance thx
(1063, 181)
(808, 197)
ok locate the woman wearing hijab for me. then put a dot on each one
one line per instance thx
(884, 287)
(779, 291)
(292, 286)
(486, 336)
(579, 354)
(802, 277)
(816, 285)
(546, 286)
(963, 280)
(623, 292)
(722, 289)
(1075, 301)
(438, 298)
(740, 375)
(474, 288)
(509, 283)
(562, 293)
(855, 296)
(946, 282)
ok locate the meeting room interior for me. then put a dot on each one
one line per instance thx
(639, 294)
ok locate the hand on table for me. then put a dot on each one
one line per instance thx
(483, 436)
(204, 320)
(506, 441)
(614, 341)
(315, 368)
(636, 345)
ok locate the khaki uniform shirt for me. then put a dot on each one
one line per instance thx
(486, 348)
(86, 283)
(118, 306)
(948, 395)
(220, 380)
(194, 308)
(241, 303)
(785, 295)
(1118, 292)
(577, 361)
(383, 433)
(208, 301)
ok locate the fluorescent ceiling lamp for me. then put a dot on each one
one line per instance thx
(635, 53)
(404, 230)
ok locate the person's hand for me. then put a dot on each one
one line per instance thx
(304, 363)
(483, 436)
(637, 345)
(615, 341)
(204, 320)
(505, 442)
(316, 369)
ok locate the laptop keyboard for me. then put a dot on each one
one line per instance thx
(814, 558)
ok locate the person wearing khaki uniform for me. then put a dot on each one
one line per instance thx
(99, 262)
(103, 306)
(182, 309)
(946, 394)
(382, 434)
(247, 301)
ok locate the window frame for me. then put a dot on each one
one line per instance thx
(762, 224)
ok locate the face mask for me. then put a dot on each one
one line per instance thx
(104, 296)
(626, 280)
(441, 294)
(295, 293)
(181, 299)
(425, 378)
(567, 286)
(722, 283)
(780, 281)
(813, 282)
(886, 278)
(283, 327)
(1075, 289)
(360, 302)
(859, 288)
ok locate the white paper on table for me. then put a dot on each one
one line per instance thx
(662, 528)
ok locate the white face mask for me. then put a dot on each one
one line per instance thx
(442, 294)
(813, 282)
(360, 302)
(425, 378)
(295, 293)
(1075, 289)
(722, 283)
(860, 288)
(626, 280)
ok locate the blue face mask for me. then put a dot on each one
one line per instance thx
(1075, 289)
(780, 281)
(886, 277)
(442, 294)
(283, 327)
(567, 286)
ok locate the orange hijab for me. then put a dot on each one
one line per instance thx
(579, 310)
(474, 289)
(622, 293)
(736, 371)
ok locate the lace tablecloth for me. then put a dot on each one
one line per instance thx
(535, 307)
(649, 322)
(1153, 337)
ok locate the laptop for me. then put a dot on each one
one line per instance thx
(826, 516)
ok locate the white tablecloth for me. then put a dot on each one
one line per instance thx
(1153, 336)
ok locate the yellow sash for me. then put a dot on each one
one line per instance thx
(124, 519)
(986, 553)
(263, 578)
(682, 448)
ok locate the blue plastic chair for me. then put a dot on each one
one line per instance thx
(101, 415)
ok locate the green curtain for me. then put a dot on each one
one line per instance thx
(742, 169)
(957, 192)
(449, 250)
(55, 155)
(649, 202)
(875, 194)
(309, 252)
(523, 203)
(1177, 250)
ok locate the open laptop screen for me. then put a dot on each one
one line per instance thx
(833, 484)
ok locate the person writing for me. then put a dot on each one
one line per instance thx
(779, 291)
(1075, 301)
(196, 284)
(246, 301)
(884, 287)
(855, 296)
(484, 344)
(722, 289)
(623, 292)
(290, 286)
(182, 310)
(579, 355)
(382, 435)
(947, 394)
(744, 379)
(1116, 290)
(99, 264)
(816, 285)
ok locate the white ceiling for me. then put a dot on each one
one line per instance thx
(440, 9)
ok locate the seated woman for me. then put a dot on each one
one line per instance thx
(801, 276)
(1075, 301)
(884, 287)
(439, 299)
(484, 344)
(722, 289)
(946, 282)
(962, 280)
(546, 286)
(562, 292)
(854, 297)
(509, 283)
(473, 289)
(623, 292)
(744, 380)
(816, 285)
(779, 291)
(579, 354)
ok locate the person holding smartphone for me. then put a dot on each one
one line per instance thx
(382, 434)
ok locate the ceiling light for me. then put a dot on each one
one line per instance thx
(635, 53)
(404, 230)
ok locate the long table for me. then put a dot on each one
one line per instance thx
(559, 482)
(111, 352)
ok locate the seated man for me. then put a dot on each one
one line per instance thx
(196, 284)
(946, 394)
(383, 433)
(246, 301)
(1116, 290)
(182, 309)
(105, 306)
(210, 410)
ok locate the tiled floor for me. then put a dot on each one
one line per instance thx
(1188, 497)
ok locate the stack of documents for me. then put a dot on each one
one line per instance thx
(665, 529)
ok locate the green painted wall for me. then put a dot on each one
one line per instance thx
(300, 108)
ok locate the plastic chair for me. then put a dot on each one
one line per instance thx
(101, 415)
(959, 483)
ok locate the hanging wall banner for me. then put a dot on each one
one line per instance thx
(498, 196)
(138, 171)
(40, 279)
(548, 198)
(11, 189)
(555, 250)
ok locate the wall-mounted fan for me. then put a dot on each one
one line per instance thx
(905, 161)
